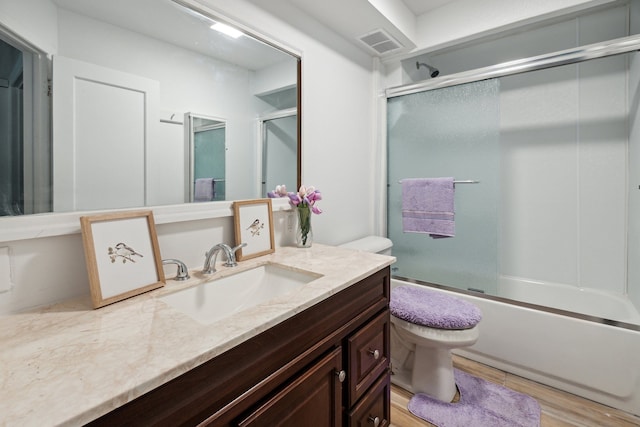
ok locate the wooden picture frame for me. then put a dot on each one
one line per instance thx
(253, 220)
(122, 255)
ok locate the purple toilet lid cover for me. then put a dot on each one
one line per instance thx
(433, 309)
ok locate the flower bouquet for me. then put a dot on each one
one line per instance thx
(305, 203)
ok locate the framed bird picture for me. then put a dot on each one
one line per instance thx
(253, 221)
(122, 255)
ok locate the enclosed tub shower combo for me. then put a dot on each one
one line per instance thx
(547, 236)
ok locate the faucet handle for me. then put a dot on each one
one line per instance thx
(183, 271)
(241, 245)
(231, 256)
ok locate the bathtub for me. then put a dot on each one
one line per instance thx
(604, 305)
(594, 360)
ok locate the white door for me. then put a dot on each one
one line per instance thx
(103, 121)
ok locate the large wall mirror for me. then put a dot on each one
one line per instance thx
(150, 103)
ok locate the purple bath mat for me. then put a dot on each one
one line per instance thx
(481, 404)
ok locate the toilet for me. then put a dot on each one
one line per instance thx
(425, 326)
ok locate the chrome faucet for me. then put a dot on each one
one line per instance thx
(212, 255)
(183, 271)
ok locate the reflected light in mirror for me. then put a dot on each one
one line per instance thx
(225, 29)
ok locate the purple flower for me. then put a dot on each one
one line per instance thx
(294, 199)
(280, 191)
(306, 196)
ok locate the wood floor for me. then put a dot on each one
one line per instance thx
(559, 409)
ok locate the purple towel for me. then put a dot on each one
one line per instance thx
(205, 190)
(427, 206)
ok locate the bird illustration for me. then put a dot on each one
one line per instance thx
(123, 251)
(255, 227)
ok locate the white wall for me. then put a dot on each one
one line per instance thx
(275, 77)
(463, 20)
(35, 20)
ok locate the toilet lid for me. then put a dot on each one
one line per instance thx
(433, 309)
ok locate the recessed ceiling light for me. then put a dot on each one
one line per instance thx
(225, 29)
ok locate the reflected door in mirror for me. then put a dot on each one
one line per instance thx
(104, 120)
(279, 153)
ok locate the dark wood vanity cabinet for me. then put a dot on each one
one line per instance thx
(313, 398)
(326, 366)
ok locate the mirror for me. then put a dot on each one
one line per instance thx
(130, 80)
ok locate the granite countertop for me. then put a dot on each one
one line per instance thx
(67, 364)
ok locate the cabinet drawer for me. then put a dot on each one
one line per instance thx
(375, 407)
(368, 352)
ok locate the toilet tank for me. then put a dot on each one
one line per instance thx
(376, 244)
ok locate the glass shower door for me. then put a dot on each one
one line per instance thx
(449, 132)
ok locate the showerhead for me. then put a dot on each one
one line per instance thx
(433, 72)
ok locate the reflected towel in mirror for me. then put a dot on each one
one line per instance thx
(205, 190)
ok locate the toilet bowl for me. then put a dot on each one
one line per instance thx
(425, 326)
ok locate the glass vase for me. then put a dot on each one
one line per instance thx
(304, 233)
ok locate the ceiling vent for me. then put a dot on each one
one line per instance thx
(380, 42)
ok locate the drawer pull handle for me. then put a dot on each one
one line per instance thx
(375, 354)
(375, 421)
(342, 375)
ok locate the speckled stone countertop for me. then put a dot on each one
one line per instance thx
(68, 364)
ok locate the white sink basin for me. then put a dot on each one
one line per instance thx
(220, 298)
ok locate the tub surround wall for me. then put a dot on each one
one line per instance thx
(633, 226)
(96, 360)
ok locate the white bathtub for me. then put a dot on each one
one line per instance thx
(587, 301)
(597, 361)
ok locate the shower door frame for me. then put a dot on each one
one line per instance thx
(555, 59)
(548, 60)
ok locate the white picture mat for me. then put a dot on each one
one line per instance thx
(120, 277)
(256, 242)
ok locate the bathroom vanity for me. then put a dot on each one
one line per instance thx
(318, 356)
(306, 369)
